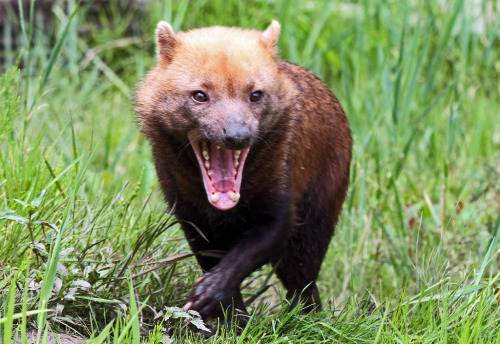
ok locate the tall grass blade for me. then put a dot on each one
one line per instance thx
(21, 315)
(489, 254)
(132, 321)
(52, 262)
(24, 337)
(54, 54)
(136, 327)
(11, 300)
(316, 30)
(103, 335)
(180, 14)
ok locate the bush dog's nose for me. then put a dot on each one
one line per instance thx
(236, 134)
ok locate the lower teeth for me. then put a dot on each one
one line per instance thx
(215, 198)
(234, 196)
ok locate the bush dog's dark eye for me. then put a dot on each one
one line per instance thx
(199, 97)
(256, 96)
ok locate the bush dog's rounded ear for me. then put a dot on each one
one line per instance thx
(271, 35)
(165, 42)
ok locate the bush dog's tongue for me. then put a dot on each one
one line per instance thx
(221, 170)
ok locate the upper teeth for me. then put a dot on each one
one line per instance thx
(204, 150)
(206, 155)
(236, 155)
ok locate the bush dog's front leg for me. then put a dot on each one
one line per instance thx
(219, 289)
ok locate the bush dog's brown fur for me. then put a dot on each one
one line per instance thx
(278, 151)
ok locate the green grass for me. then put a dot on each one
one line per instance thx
(88, 248)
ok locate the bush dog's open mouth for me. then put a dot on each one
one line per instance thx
(221, 170)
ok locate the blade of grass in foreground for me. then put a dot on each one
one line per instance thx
(24, 338)
(489, 254)
(11, 299)
(50, 273)
(136, 327)
(20, 315)
(132, 321)
(103, 335)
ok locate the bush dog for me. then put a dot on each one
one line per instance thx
(252, 154)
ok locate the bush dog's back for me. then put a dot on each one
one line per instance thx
(253, 153)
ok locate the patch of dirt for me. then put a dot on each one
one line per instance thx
(52, 338)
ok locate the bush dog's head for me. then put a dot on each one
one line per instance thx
(220, 88)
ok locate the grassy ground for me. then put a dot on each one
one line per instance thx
(88, 248)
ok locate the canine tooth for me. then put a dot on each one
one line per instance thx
(234, 196)
(205, 154)
(215, 197)
(207, 164)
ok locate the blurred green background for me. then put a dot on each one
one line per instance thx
(419, 81)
